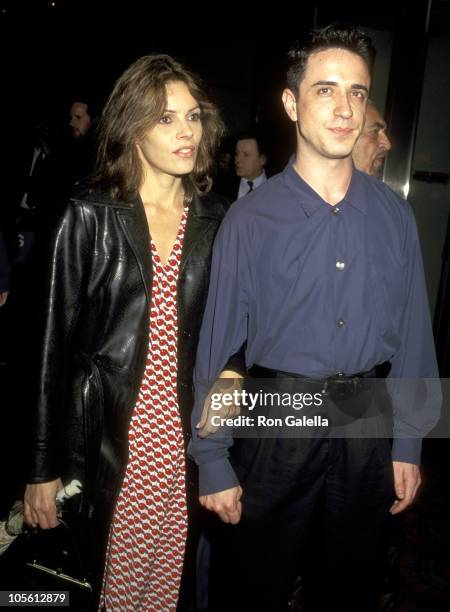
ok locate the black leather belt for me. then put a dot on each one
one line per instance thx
(338, 386)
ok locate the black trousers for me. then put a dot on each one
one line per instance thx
(342, 486)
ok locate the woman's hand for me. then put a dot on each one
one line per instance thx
(39, 504)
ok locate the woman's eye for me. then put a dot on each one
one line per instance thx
(195, 117)
(165, 119)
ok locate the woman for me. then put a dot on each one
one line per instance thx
(129, 279)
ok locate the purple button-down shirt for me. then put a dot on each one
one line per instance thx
(314, 289)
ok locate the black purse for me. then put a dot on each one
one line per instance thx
(52, 559)
(59, 554)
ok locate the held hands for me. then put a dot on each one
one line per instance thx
(226, 504)
(39, 504)
(3, 297)
(229, 382)
(407, 481)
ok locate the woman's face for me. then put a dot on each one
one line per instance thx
(170, 147)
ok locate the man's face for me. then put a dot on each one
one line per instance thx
(373, 145)
(331, 104)
(80, 120)
(248, 161)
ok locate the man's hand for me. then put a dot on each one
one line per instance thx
(3, 297)
(228, 382)
(407, 481)
(226, 504)
(39, 504)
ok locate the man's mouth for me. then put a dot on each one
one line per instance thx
(341, 131)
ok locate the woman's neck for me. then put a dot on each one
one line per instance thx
(162, 190)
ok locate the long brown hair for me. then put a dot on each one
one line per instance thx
(136, 104)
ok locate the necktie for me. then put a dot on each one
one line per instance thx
(250, 186)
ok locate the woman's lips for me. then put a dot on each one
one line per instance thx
(185, 152)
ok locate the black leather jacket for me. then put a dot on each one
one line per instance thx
(96, 339)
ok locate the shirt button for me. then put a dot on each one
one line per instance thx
(336, 210)
(341, 323)
(340, 265)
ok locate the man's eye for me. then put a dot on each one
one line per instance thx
(359, 94)
(324, 90)
(165, 119)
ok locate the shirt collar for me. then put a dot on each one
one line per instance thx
(259, 180)
(312, 202)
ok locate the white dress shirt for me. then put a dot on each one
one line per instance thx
(244, 187)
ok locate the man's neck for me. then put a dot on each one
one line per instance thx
(253, 178)
(329, 178)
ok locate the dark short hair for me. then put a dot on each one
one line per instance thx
(91, 99)
(333, 36)
(136, 104)
(257, 137)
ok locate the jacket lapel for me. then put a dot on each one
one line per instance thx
(135, 226)
(199, 218)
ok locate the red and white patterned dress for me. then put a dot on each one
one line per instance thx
(148, 533)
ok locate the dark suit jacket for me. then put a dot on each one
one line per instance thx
(227, 184)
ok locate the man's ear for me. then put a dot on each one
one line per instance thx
(290, 104)
(263, 159)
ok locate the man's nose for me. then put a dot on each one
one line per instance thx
(343, 107)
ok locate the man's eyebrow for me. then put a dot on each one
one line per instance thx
(359, 86)
(379, 125)
(324, 83)
(189, 111)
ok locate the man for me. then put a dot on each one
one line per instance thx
(80, 119)
(328, 285)
(249, 162)
(373, 145)
(81, 150)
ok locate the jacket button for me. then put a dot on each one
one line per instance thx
(186, 333)
(187, 436)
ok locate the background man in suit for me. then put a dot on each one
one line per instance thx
(249, 162)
